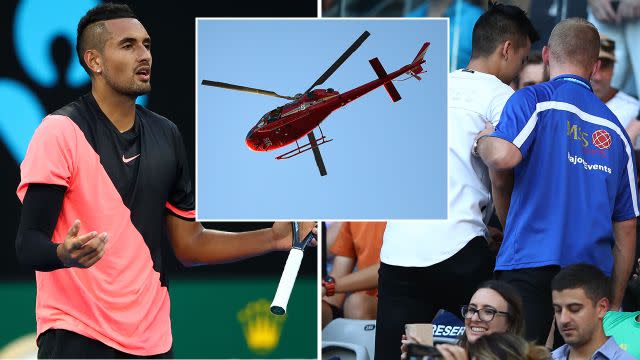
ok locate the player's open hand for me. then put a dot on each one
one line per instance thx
(81, 251)
(281, 231)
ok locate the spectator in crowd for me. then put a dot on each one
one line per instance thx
(620, 21)
(422, 261)
(574, 195)
(625, 107)
(357, 245)
(495, 307)
(533, 72)
(580, 301)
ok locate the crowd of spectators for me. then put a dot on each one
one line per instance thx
(559, 154)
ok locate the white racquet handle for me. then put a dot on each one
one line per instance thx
(289, 274)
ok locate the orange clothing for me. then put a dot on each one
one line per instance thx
(361, 241)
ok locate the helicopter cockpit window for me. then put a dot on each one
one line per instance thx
(274, 115)
(263, 121)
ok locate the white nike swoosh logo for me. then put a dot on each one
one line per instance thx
(126, 160)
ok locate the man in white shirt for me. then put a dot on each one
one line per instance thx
(429, 265)
(624, 106)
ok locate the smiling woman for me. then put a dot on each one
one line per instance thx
(495, 307)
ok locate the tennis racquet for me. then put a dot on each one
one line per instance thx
(291, 267)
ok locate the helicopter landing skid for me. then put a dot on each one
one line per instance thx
(306, 147)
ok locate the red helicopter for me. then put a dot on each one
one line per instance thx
(291, 121)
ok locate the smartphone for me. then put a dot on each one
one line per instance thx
(420, 352)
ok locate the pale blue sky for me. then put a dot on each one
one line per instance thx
(387, 160)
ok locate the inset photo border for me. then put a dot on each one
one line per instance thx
(383, 159)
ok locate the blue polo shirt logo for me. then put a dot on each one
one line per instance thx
(577, 134)
(601, 139)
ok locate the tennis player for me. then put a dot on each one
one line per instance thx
(103, 184)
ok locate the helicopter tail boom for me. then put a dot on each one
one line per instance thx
(391, 89)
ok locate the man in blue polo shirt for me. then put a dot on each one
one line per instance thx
(574, 197)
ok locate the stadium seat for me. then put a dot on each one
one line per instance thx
(347, 339)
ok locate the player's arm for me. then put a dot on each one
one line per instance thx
(195, 245)
(40, 209)
(34, 249)
(624, 251)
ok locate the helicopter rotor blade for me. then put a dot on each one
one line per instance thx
(244, 88)
(340, 60)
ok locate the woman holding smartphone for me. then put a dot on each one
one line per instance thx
(496, 307)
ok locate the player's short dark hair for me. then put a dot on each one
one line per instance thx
(499, 24)
(589, 278)
(91, 30)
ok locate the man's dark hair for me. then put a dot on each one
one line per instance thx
(498, 24)
(586, 277)
(91, 30)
